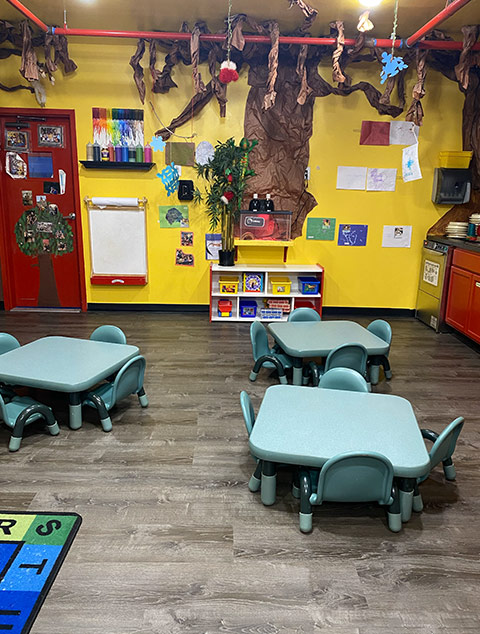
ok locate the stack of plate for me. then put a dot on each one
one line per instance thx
(457, 230)
(475, 219)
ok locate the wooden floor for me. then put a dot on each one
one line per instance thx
(173, 541)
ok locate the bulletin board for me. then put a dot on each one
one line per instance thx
(118, 244)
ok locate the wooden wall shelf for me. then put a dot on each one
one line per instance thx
(117, 165)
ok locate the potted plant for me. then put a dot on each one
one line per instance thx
(226, 175)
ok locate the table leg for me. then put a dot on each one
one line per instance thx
(75, 409)
(269, 483)
(305, 506)
(297, 371)
(406, 486)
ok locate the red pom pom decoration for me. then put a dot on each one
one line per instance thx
(228, 72)
(226, 197)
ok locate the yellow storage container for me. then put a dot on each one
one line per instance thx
(281, 285)
(458, 160)
(228, 284)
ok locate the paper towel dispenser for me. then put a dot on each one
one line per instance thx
(451, 186)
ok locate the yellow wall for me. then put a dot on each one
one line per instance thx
(355, 276)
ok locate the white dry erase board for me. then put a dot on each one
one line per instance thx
(118, 241)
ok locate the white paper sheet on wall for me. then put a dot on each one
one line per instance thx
(410, 164)
(397, 236)
(380, 179)
(351, 177)
(403, 133)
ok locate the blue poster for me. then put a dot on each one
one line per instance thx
(352, 235)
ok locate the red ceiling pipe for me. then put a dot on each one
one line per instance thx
(27, 13)
(438, 19)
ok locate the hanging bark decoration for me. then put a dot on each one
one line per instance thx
(195, 55)
(194, 106)
(467, 57)
(305, 89)
(49, 62)
(29, 66)
(219, 89)
(270, 95)
(138, 70)
(415, 112)
(336, 30)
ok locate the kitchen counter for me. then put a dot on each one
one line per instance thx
(460, 244)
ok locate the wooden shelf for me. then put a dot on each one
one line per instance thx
(116, 165)
(263, 243)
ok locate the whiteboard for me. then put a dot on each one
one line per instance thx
(118, 241)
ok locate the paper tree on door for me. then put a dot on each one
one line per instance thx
(42, 232)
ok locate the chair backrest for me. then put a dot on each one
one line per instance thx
(304, 314)
(343, 379)
(248, 411)
(110, 334)
(355, 477)
(259, 338)
(349, 355)
(444, 446)
(129, 380)
(381, 329)
(8, 342)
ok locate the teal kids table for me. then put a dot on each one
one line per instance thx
(308, 426)
(301, 339)
(64, 364)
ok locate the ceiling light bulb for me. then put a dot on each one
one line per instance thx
(370, 3)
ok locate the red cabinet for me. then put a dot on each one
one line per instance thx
(463, 306)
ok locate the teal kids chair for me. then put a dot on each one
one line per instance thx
(249, 418)
(267, 357)
(108, 333)
(351, 477)
(7, 343)
(129, 380)
(304, 314)
(21, 411)
(343, 379)
(383, 330)
(441, 452)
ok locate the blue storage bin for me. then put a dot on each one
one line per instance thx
(248, 308)
(309, 285)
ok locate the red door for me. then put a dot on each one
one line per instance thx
(41, 250)
(458, 298)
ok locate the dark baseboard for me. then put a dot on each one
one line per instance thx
(369, 312)
(151, 308)
(2, 305)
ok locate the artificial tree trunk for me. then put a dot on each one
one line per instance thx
(47, 292)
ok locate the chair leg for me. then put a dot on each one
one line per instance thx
(102, 411)
(305, 515)
(272, 359)
(54, 429)
(449, 469)
(393, 512)
(417, 504)
(142, 397)
(17, 431)
(386, 368)
(256, 478)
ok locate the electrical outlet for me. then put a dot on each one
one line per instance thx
(307, 174)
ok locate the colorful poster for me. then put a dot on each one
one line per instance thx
(183, 259)
(213, 244)
(173, 217)
(351, 177)
(375, 133)
(380, 179)
(410, 164)
(321, 228)
(352, 235)
(186, 238)
(397, 236)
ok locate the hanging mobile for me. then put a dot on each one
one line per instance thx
(392, 65)
(228, 69)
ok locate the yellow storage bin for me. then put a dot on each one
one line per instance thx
(228, 284)
(458, 160)
(281, 285)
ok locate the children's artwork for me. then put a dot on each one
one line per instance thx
(169, 177)
(157, 143)
(51, 188)
(27, 198)
(403, 133)
(380, 179)
(50, 135)
(40, 165)
(351, 177)
(410, 164)
(391, 66)
(213, 244)
(173, 217)
(186, 238)
(352, 235)
(41, 201)
(117, 126)
(397, 236)
(183, 259)
(15, 166)
(321, 228)
(180, 153)
(204, 152)
(17, 140)
(375, 133)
